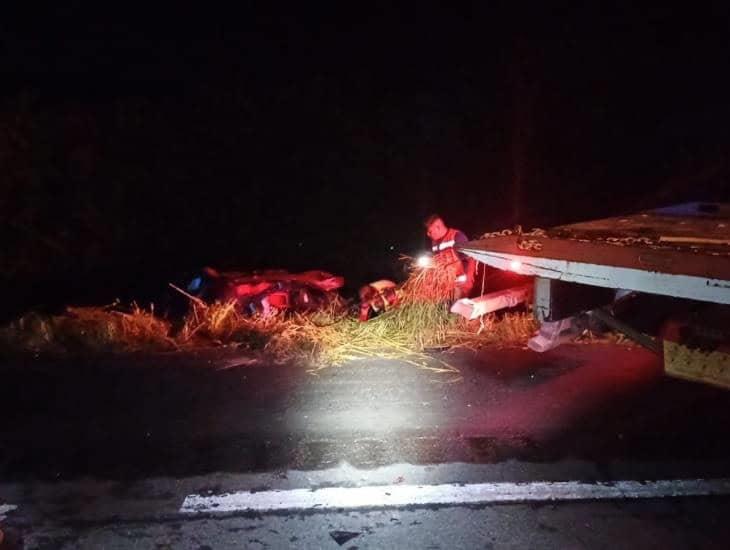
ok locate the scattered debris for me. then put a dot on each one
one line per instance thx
(267, 292)
(494, 301)
(324, 337)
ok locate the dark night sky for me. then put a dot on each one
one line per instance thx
(137, 145)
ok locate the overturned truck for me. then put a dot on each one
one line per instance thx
(669, 265)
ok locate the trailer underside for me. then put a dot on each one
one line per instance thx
(680, 252)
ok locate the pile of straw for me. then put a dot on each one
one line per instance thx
(221, 323)
(90, 329)
(326, 337)
(430, 284)
(421, 323)
(415, 329)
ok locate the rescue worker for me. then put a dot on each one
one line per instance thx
(443, 240)
(377, 297)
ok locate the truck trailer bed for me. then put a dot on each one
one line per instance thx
(681, 251)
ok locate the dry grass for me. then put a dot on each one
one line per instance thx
(421, 323)
(430, 284)
(413, 327)
(323, 338)
(610, 337)
(94, 329)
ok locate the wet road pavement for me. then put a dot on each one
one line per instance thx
(87, 442)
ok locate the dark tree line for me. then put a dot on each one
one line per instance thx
(264, 154)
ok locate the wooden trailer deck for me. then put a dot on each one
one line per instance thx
(681, 251)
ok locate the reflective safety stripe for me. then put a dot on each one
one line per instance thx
(435, 248)
(461, 279)
(446, 244)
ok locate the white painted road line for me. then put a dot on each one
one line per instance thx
(5, 508)
(420, 495)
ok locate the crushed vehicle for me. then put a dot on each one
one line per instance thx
(267, 292)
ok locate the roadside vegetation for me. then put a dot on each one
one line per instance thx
(329, 336)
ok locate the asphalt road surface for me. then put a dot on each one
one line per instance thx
(586, 446)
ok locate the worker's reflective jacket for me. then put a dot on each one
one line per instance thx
(444, 254)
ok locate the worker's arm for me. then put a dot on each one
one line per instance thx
(468, 263)
(460, 238)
